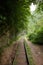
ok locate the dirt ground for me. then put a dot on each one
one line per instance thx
(14, 52)
(37, 52)
(8, 55)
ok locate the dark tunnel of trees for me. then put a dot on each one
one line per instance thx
(15, 16)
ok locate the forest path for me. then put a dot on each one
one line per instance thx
(20, 58)
(37, 52)
(9, 54)
(16, 52)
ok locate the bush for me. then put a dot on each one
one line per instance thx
(37, 38)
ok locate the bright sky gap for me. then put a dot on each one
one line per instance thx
(32, 7)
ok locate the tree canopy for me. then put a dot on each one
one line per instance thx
(15, 16)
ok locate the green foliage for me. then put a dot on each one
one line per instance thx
(39, 37)
(14, 15)
(35, 30)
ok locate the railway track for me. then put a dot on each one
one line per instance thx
(21, 55)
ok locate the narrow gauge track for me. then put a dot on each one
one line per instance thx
(21, 55)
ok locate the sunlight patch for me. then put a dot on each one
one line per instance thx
(32, 7)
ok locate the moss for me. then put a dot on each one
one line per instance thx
(29, 54)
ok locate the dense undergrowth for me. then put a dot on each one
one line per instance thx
(35, 30)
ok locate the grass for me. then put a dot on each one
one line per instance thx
(29, 54)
